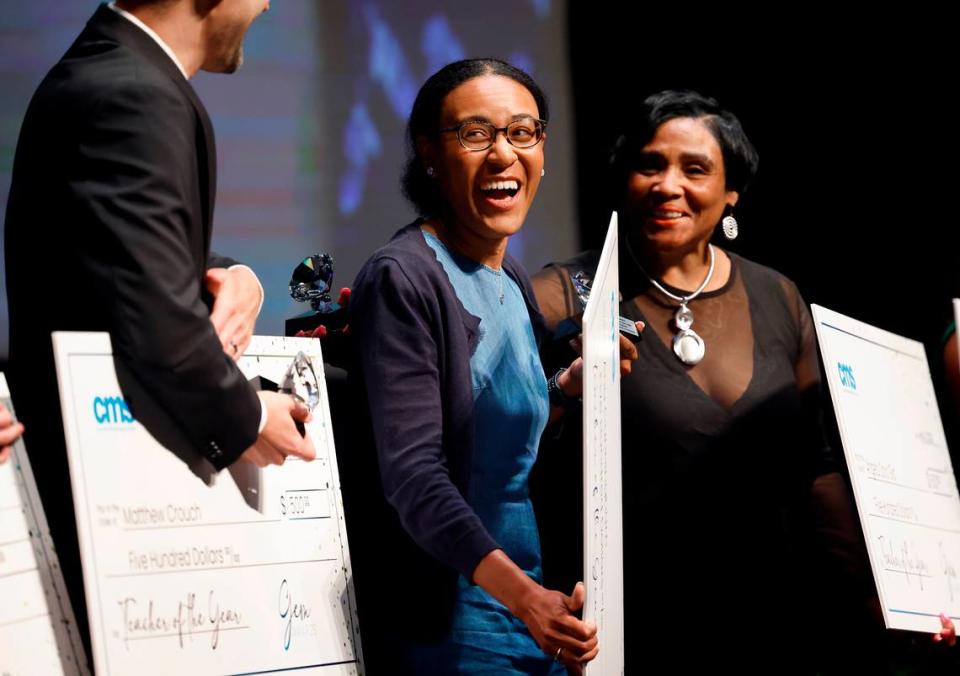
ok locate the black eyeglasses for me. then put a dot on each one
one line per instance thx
(525, 132)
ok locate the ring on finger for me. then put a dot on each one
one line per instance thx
(556, 656)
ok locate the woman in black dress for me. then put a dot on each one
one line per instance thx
(722, 444)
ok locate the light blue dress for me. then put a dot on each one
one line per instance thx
(512, 407)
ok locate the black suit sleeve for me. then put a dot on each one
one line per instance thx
(139, 180)
(215, 260)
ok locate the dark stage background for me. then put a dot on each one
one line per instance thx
(856, 197)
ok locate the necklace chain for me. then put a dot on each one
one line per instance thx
(499, 274)
(688, 346)
(683, 300)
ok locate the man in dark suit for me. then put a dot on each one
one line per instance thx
(108, 229)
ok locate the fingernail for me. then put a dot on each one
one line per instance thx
(300, 334)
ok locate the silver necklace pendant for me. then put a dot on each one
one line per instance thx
(689, 347)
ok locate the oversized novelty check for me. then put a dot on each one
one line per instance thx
(602, 486)
(899, 466)
(241, 571)
(38, 634)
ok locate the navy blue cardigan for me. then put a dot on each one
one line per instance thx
(414, 340)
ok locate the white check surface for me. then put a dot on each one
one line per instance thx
(38, 634)
(185, 577)
(899, 466)
(602, 490)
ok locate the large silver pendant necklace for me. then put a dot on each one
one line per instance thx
(688, 346)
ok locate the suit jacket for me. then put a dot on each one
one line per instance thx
(108, 229)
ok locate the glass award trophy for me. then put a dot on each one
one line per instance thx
(311, 283)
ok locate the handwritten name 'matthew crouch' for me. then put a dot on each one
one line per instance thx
(170, 514)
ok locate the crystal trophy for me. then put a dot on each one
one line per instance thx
(572, 326)
(300, 382)
(311, 283)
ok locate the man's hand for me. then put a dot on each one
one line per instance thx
(237, 298)
(10, 431)
(280, 437)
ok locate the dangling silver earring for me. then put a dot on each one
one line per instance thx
(543, 172)
(430, 172)
(730, 227)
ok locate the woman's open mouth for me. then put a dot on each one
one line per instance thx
(500, 194)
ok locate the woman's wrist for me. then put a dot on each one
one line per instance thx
(499, 576)
(562, 389)
(566, 384)
(525, 601)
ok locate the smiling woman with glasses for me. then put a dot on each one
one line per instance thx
(446, 332)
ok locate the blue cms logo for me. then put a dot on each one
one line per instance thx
(111, 410)
(846, 376)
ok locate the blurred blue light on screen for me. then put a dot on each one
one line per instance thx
(389, 66)
(439, 44)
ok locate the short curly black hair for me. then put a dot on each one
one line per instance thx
(425, 121)
(740, 158)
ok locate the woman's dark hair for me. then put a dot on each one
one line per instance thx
(740, 158)
(421, 190)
